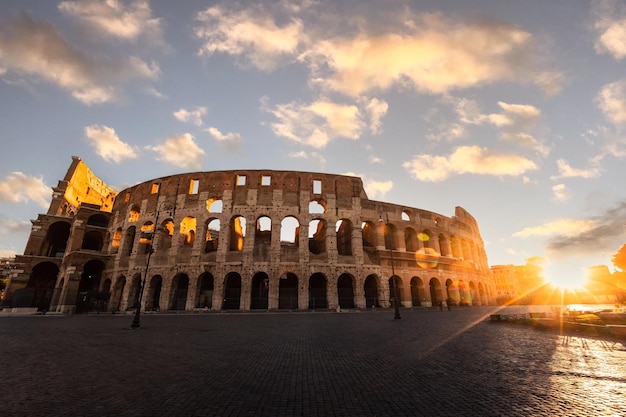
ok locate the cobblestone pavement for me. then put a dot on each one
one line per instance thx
(430, 363)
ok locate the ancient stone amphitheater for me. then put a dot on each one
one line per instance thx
(242, 240)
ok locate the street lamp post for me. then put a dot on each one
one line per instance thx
(137, 318)
(396, 315)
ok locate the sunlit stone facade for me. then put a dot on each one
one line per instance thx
(243, 240)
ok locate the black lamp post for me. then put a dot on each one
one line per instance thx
(396, 315)
(137, 318)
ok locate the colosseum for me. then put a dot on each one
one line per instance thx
(242, 240)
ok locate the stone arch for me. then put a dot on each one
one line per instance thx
(390, 236)
(443, 245)
(473, 294)
(117, 239)
(237, 233)
(410, 240)
(371, 289)
(317, 291)
(405, 216)
(262, 238)
(129, 241)
(317, 206)
(133, 292)
(436, 296)
(288, 291)
(456, 249)
(134, 214)
(188, 230)
(117, 293)
(289, 239)
(399, 288)
(418, 296)
(452, 292)
(214, 205)
(92, 240)
(98, 220)
(166, 234)
(232, 291)
(204, 298)
(317, 236)
(40, 288)
(212, 237)
(146, 234)
(369, 234)
(179, 290)
(259, 293)
(465, 298)
(344, 237)
(57, 236)
(426, 238)
(88, 294)
(153, 298)
(345, 290)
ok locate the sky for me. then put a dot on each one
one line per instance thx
(515, 111)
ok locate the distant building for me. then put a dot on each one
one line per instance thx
(5, 269)
(242, 239)
(518, 284)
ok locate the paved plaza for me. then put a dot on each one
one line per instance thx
(361, 363)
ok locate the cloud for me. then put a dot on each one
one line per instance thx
(108, 145)
(516, 122)
(34, 50)
(317, 159)
(232, 141)
(191, 116)
(252, 34)
(592, 236)
(467, 160)
(560, 227)
(318, 123)
(376, 109)
(612, 101)
(20, 188)
(12, 227)
(430, 53)
(180, 151)
(377, 189)
(610, 26)
(115, 19)
(560, 192)
(566, 171)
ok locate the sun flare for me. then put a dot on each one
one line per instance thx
(566, 278)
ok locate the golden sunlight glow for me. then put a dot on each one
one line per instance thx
(566, 278)
(427, 258)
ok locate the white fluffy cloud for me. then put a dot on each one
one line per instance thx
(467, 160)
(560, 227)
(429, 52)
(317, 159)
(108, 145)
(318, 123)
(567, 171)
(232, 141)
(191, 116)
(560, 192)
(118, 19)
(612, 101)
(252, 34)
(377, 189)
(180, 151)
(20, 188)
(610, 26)
(34, 50)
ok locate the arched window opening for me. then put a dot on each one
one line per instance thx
(134, 214)
(443, 245)
(214, 205)
(289, 231)
(317, 291)
(237, 233)
(117, 239)
(212, 235)
(154, 294)
(417, 292)
(369, 234)
(188, 230)
(425, 237)
(317, 236)
(405, 216)
(232, 291)
(345, 291)
(145, 237)
(56, 240)
(390, 236)
(317, 207)
(166, 233)
(92, 241)
(371, 292)
(180, 286)
(410, 240)
(259, 293)
(344, 237)
(263, 238)
(288, 292)
(129, 241)
(205, 291)
(98, 220)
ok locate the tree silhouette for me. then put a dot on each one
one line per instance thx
(619, 259)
